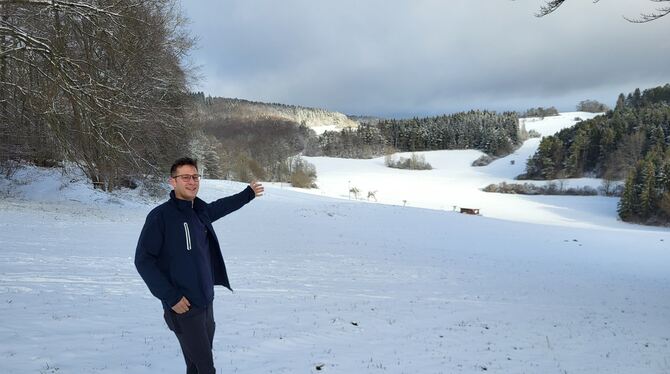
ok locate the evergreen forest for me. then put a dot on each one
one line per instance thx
(491, 132)
(631, 143)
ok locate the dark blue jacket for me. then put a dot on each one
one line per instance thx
(164, 256)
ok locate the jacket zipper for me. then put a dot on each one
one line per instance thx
(188, 236)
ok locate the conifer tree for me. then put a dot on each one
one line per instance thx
(646, 177)
(620, 102)
(577, 151)
(627, 204)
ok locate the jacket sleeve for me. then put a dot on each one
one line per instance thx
(146, 261)
(227, 205)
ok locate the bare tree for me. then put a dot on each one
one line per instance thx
(101, 82)
(551, 6)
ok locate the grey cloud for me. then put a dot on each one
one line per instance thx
(424, 57)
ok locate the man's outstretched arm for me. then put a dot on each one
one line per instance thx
(227, 205)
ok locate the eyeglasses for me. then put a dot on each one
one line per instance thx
(188, 177)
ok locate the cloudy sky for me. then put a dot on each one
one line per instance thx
(398, 58)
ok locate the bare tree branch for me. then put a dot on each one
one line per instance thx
(552, 5)
(549, 7)
(60, 3)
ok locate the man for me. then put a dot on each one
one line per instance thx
(179, 258)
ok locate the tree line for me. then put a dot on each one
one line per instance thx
(491, 132)
(631, 143)
(539, 112)
(244, 146)
(592, 106)
(96, 83)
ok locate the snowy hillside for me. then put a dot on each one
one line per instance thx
(535, 285)
(320, 120)
(453, 183)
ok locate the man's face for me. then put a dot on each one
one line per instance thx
(185, 190)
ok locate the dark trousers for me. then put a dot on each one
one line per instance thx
(195, 332)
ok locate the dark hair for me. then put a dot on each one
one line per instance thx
(181, 162)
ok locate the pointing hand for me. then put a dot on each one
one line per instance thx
(257, 187)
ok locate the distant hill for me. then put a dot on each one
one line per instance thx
(245, 140)
(320, 120)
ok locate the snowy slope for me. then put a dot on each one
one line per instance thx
(453, 183)
(357, 287)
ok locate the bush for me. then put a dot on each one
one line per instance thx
(540, 112)
(257, 170)
(414, 162)
(303, 174)
(534, 134)
(551, 188)
(483, 160)
(592, 106)
(240, 169)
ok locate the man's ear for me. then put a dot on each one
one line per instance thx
(172, 182)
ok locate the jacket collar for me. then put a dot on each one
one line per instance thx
(197, 204)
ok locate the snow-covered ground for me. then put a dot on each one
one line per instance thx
(535, 285)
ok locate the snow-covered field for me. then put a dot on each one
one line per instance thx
(453, 183)
(534, 285)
